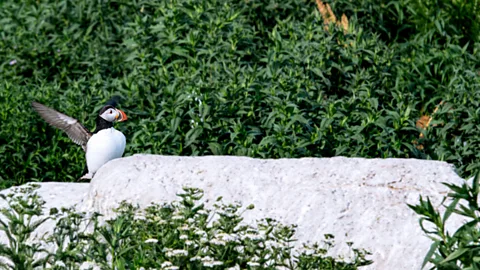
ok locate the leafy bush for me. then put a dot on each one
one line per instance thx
(461, 249)
(404, 21)
(253, 78)
(178, 235)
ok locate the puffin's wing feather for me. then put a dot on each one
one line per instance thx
(74, 129)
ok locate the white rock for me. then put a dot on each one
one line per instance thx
(358, 200)
(355, 199)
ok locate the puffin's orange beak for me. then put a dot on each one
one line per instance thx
(121, 116)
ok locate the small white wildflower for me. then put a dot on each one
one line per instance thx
(196, 258)
(185, 227)
(269, 263)
(151, 240)
(178, 217)
(236, 267)
(166, 264)
(161, 222)
(200, 233)
(176, 253)
(139, 217)
(253, 264)
(273, 244)
(13, 62)
(172, 268)
(309, 251)
(89, 266)
(251, 236)
(189, 243)
(227, 237)
(60, 263)
(210, 262)
(190, 220)
(203, 240)
(202, 212)
(239, 249)
(217, 242)
(183, 237)
(227, 214)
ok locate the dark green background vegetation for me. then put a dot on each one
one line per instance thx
(237, 77)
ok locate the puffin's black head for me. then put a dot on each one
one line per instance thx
(113, 101)
(111, 114)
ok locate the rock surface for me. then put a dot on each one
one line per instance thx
(358, 200)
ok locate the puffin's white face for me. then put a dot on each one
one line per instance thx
(111, 114)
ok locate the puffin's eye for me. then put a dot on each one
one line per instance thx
(110, 112)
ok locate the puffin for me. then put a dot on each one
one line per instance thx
(104, 144)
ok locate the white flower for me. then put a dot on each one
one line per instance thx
(227, 214)
(251, 236)
(176, 253)
(183, 237)
(196, 258)
(151, 240)
(178, 217)
(60, 263)
(185, 227)
(13, 62)
(202, 212)
(273, 244)
(227, 237)
(217, 242)
(239, 249)
(166, 264)
(236, 267)
(269, 263)
(200, 233)
(139, 217)
(189, 243)
(253, 264)
(210, 262)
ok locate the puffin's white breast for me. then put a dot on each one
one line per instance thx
(103, 146)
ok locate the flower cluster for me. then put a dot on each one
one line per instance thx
(178, 235)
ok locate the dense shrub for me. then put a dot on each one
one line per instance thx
(257, 78)
(178, 235)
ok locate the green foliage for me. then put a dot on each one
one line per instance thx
(439, 21)
(178, 235)
(20, 219)
(460, 250)
(252, 78)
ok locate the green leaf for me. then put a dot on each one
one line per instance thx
(454, 255)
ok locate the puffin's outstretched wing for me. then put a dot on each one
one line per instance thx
(75, 131)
